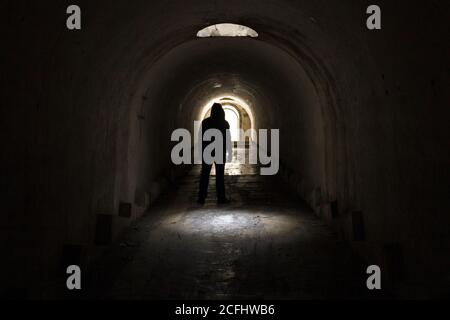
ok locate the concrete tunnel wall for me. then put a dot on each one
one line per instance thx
(362, 118)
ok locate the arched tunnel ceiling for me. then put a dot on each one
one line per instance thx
(151, 66)
(158, 69)
(296, 30)
(258, 72)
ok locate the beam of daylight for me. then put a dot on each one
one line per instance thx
(227, 30)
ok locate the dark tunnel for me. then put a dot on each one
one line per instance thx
(362, 116)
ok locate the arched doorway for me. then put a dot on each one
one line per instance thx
(237, 113)
(232, 116)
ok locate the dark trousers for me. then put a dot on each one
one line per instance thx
(204, 180)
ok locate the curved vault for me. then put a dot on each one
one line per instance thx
(227, 30)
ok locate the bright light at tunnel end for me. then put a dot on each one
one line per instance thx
(261, 150)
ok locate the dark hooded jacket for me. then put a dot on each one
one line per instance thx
(216, 121)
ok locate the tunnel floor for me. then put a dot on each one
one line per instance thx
(266, 244)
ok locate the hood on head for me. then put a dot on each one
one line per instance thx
(217, 112)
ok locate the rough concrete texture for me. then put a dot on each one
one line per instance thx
(266, 244)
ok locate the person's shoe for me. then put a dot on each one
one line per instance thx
(223, 201)
(201, 201)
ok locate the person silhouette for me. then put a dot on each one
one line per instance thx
(215, 121)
